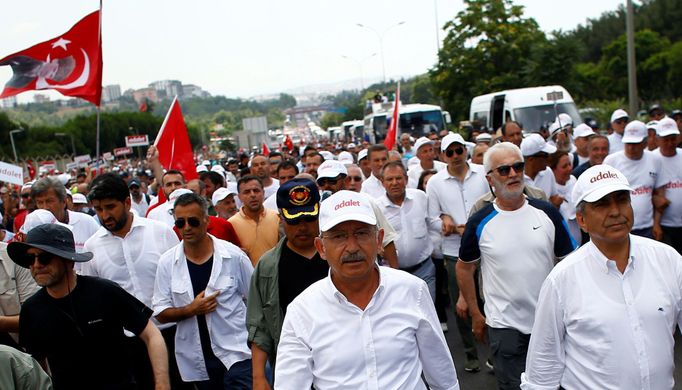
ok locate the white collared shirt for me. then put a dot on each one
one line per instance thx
(598, 328)
(670, 166)
(83, 227)
(330, 343)
(412, 223)
(416, 170)
(130, 261)
(544, 180)
(141, 207)
(231, 275)
(373, 187)
(615, 142)
(447, 195)
(163, 213)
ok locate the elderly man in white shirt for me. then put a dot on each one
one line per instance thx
(201, 284)
(425, 161)
(126, 250)
(606, 314)
(407, 212)
(363, 326)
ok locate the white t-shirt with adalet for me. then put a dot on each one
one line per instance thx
(644, 176)
(672, 171)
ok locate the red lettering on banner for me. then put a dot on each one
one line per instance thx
(347, 203)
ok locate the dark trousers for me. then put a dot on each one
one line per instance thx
(509, 348)
(142, 367)
(175, 378)
(238, 377)
(646, 232)
(673, 237)
(441, 289)
(463, 325)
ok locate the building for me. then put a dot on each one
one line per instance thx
(111, 93)
(191, 90)
(145, 93)
(9, 102)
(167, 88)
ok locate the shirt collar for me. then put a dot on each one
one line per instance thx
(466, 176)
(340, 298)
(603, 261)
(243, 214)
(137, 221)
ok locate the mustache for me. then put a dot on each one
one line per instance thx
(352, 257)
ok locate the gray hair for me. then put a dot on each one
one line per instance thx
(187, 199)
(43, 185)
(499, 148)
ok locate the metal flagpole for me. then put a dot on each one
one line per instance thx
(99, 39)
(97, 141)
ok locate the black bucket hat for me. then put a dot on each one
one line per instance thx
(52, 238)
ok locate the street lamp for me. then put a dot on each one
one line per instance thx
(11, 138)
(359, 62)
(381, 43)
(73, 145)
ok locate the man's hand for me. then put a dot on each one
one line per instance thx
(657, 231)
(461, 308)
(203, 304)
(260, 383)
(449, 226)
(556, 200)
(152, 154)
(478, 327)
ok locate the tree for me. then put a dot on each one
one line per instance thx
(486, 49)
(331, 119)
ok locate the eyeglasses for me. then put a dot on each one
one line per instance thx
(301, 219)
(451, 152)
(504, 170)
(192, 221)
(362, 236)
(355, 178)
(326, 180)
(44, 258)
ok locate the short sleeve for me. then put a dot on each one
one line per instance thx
(563, 241)
(469, 250)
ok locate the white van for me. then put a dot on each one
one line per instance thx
(533, 107)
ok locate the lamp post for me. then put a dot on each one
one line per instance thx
(11, 138)
(73, 145)
(359, 62)
(381, 43)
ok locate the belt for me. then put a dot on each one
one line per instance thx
(415, 267)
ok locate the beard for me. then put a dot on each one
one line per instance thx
(120, 223)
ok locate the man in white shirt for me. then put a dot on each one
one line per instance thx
(126, 250)
(581, 139)
(139, 201)
(377, 156)
(407, 212)
(606, 314)
(426, 156)
(50, 194)
(619, 119)
(517, 241)
(644, 172)
(452, 193)
(171, 180)
(345, 331)
(260, 167)
(201, 284)
(535, 152)
(671, 158)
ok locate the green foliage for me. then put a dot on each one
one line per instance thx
(331, 119)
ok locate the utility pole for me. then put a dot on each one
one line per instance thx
(632, 65)
(11, 138)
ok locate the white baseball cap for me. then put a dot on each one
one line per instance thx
(345, 157)
(534, 144)
(327, 155)
(177, 193)
(222, 193)
(345, 206)
(484, 137)
(79, 199)
(583, 130)
(635, 132)
(597, 182)
(217, 168)
(450, 139)
(39, 217)
(619, 114)
(362, 154)
(351, 145)
(564, 120)
(667, 126)
(331, 169)
(201, 168)
(421, 141)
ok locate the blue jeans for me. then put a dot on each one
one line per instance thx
(237, 377)
(427, 272)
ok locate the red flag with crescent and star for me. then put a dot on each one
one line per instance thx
(172, 142)
(392, 133)
(70, 64)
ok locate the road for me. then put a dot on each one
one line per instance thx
(484, 379)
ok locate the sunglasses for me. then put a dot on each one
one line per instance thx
(44, 258)
(355, 178)
(192, 221)
(451, 152)
(504, 170)
(325, 181)
(301, 219)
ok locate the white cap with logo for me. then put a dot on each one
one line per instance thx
(223, 192)
(421, 141)
(583, 130)
(534, 144)
(450, 139)
(345, 206)
(597, 182)
(345, 157)
(362, 154)
(635, 132)
(331, 169)
(667, 126)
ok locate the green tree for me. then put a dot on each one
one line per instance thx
(485, 49)
(330, 119)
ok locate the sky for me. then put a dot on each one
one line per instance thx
(249, 48)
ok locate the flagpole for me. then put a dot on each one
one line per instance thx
(99, 40)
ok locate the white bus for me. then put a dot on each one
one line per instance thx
(533, 108)
(415, 119)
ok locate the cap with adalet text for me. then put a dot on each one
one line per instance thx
(597, 182)
(345, 206)
(635, 132)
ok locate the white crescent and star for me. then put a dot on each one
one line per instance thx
(42, 83)
(61, 42)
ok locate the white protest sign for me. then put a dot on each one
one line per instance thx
(11, 173)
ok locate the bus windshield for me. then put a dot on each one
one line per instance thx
(532, 118)
(421, 123)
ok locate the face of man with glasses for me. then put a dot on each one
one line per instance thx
(191, 221)
(351, 249)
(456, 155)
(506, 174)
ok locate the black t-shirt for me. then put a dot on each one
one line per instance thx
(200, 274)
(296, 273)
(81, 335)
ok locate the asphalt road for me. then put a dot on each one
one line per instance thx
(484, 379)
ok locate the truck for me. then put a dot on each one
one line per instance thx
(416, 119)
(534, 108)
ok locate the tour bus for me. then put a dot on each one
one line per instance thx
(415, 119)
(352, 130)
(533, 108)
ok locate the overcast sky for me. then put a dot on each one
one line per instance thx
(247, 48)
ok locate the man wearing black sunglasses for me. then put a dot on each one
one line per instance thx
(76, 322)
(284, 272)
(331, 175)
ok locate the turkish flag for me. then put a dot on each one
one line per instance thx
(289, 143)
(266, 150)
(172, 142)
(392, 133)
(70, 64)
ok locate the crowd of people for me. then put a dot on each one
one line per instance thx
(335, 265)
